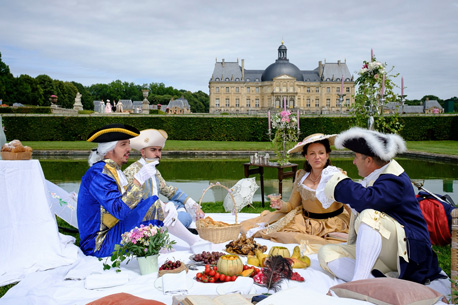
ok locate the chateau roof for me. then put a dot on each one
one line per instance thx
(179, 102)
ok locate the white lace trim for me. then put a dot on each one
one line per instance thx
(326, 175)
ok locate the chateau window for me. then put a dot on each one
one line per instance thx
(217, 89)
(308, 103)
(328, 89)
(236, 89)
(248, 103)
(256, 103)
(257, 79)
(227, 102)
(247, 79)
(317, 103)
(227, 89)
(347, 102)
(257, 89)
(247, 89)
(317, 89)
(217, 103)
(328, 102)
(277, 89)
(347, 89)
(237, 102)
(308, 89)
(227, 79)
(338, 89)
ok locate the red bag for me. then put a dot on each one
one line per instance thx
(438, 218)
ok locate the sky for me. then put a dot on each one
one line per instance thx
(177, 42)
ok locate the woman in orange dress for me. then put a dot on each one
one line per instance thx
(303, 217)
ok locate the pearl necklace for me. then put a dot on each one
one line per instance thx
(314, 180)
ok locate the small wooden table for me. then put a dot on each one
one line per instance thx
(259, 169)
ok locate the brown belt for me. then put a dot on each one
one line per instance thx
(323, 215)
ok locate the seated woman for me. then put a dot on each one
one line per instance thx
(303, 217)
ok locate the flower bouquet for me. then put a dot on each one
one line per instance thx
(286, 133)
(139, 242)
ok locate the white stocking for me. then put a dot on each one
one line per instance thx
(343, 268)
(180, 231)
(368, 247)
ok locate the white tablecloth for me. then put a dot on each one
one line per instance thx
(29, 240)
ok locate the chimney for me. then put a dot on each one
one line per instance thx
(320, 68)
(223, 62)
(243, 69)
(338, 62)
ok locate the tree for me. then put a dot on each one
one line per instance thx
(47, 85)
(6, 83)
(373, 81)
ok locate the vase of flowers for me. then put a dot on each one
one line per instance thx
(286, 134)
(143, 242)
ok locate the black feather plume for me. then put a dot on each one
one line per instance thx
(276, 269)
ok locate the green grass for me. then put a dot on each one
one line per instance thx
(436, 147)
(443, 253)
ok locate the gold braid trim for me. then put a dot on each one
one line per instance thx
(284, 221)
(121, 130)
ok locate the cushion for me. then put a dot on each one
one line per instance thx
(385, 291)
(124, 299)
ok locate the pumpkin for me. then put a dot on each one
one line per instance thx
(282, 251)
(230, 265)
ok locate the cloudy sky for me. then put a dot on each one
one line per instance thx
(177, 42)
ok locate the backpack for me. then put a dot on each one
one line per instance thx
(437, 214)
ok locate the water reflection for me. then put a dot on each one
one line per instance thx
(194, 173)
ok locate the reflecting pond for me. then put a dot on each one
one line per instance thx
(194, 174)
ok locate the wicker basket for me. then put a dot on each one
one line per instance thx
(6, 155)
(176, 270)
(218, 234)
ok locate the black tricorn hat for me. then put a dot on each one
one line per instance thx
(371, 143)
(113, 132)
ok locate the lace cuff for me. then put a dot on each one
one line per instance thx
(324, 196)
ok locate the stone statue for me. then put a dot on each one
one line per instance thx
(77, 105)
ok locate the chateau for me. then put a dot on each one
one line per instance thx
(234, 89)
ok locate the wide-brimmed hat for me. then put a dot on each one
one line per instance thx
(149, 137)
(371, 143)
(312, 139)
(113, 132)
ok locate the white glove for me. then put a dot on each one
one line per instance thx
(146, 172)
(171, 214)
(193, 209)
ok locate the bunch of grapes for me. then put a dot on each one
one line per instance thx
(207, 257)
(169, 265)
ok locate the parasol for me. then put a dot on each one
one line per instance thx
(243, 192)
(62, 203)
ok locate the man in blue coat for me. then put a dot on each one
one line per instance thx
(388, 234)
(107, 204)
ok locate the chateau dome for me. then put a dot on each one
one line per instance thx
(282, 66)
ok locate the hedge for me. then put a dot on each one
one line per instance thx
(45, 110)
(209, 128)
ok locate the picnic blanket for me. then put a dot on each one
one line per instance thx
(71, 283)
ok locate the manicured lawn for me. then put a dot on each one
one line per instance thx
(437, 147)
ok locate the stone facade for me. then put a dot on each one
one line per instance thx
(234, 89)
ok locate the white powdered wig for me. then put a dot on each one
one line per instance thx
(101, 151)
(384, 146)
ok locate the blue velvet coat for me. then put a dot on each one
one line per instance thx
(104, 213)
(395, 196)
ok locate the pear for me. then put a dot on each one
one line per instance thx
(261, 257)
(305, 259)
(253, 260)
(297, 263)
(296, 252)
